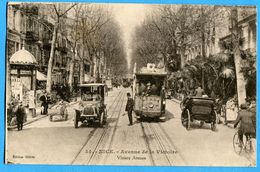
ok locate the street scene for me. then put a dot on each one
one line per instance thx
(131, 85)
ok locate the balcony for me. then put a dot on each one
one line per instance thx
(31, 36)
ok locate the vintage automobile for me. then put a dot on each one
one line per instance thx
(91, 107)
(200, 109)
(149, 93)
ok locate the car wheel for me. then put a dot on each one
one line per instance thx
(76, 122)
(105, 117)
(188, 120)
(50, 118)
(101, 119)
(66, 115)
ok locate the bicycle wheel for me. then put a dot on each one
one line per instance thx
(236, 144)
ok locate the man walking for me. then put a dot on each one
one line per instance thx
(129, 108)
(20, 113)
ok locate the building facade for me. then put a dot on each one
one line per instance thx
(220, 30)
(29, 26)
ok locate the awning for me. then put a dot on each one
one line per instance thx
(40, 76)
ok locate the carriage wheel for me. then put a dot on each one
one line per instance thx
(101, 119)
(236, 144)
(185, 119)
(213, 123)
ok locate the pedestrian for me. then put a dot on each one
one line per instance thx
(20, 113)
(129, 108)
(247, 119)
(45, 102)
(199, 91)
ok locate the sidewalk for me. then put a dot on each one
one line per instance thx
(30, 119)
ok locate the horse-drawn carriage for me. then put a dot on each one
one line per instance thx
(199, 109)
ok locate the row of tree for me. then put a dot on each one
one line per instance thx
(92, 34)
(171, 30)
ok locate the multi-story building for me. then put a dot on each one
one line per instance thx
(221, 31)
(30, 27)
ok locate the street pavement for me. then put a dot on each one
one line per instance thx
(149, 142)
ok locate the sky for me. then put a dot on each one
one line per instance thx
(129, 16)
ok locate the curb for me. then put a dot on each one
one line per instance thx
(26, 123)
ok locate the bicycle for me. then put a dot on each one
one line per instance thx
(245, 145)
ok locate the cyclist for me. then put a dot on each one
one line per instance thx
(247, 126)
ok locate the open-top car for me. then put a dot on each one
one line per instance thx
(91, 107)
(200, 109)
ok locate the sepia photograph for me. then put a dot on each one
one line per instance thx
(127, 84)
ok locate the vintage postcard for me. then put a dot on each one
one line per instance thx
(130, 84)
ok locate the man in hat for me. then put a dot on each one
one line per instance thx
(247, 125)
(20, 113)
(148, 89)
(129, 108)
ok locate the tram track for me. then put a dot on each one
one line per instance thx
(155, 136)
(92, 132)
(104, 131)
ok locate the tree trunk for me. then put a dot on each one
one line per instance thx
(203, 48)
(94, 67)
(50, 63)
(71, 74)
(241, 88)
(82, 73)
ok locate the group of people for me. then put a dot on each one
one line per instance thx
(18, 113)
(45, 98)
(148, 89)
